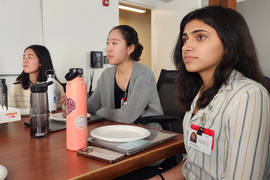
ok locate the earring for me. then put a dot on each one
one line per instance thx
(128, 54)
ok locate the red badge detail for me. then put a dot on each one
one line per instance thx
(71, 105)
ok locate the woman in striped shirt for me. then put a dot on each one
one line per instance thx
(222, 89)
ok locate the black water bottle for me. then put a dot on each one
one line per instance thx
(3, 93)
(39, 111)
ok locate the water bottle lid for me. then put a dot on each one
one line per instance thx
(74, 70)
(73, 73)
(40, 86)
(49, 71)
(2, 80)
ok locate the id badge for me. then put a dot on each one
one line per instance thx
(123, 102)
(201, 139)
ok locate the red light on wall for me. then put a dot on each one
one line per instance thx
(105, 2)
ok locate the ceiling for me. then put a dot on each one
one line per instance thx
(148, 4)
(152, 4)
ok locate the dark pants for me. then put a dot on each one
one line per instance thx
(141, 174)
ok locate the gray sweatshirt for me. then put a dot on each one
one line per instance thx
(142, 99)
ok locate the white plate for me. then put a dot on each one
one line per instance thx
(59, 117)
(25, 112)
(120, 133)
(3, 172)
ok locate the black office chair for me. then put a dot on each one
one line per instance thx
(173, 117)
(170, 121)
(267, 78)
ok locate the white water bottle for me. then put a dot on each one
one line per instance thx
(51, 91)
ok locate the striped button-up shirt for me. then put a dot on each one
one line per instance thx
(240, 116)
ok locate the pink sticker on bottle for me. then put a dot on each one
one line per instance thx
(71, 106)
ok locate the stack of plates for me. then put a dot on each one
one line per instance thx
(3, 172)
(59, 117)
(120, 133)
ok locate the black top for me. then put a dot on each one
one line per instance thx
(119, 94)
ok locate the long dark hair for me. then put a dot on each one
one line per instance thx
(234, 34)
(131, 37)
(45, 60)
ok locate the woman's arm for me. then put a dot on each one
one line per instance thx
(94, 102)
(249, 124)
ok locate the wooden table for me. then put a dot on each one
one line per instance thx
(48, 158)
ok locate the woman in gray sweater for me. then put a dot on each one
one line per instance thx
(127, 90)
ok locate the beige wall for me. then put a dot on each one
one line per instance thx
(257, 14)
(141, 22)
(166, 21)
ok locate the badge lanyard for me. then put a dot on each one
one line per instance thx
(203, 119)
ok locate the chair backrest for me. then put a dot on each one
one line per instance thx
(267, 78)
(167, 94)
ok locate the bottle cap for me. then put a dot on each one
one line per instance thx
(40, 86)
(73, 73)
(2, 80)
(49, 71)
(74, 70)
